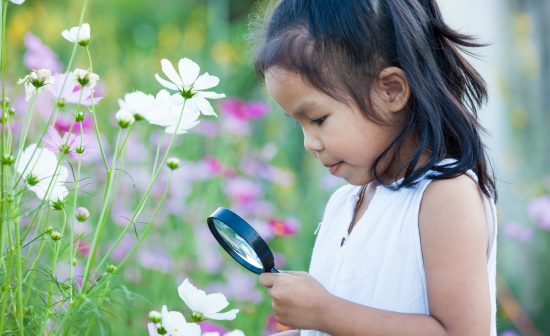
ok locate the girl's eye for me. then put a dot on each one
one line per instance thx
(319, 121)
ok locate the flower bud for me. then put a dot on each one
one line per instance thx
(74, 262)
(161, 330)
(55, 235)
(32, 180)
(173, 163)
(124, 118)
(6, 102)
(111, 269)
(8, 160)
(82, 214)
(11, 111)
(80, 150)
(155, 316)
(85, 77)
(58, 204)
(79, 117)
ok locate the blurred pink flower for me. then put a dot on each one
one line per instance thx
(39, 55)
(57, 144)
(217, 168)
(72, 92)
(123, 247)
(63, 124)
(519, 232)
(155, 259)
(284, 227)
(539, 211)
(242, 110)
(242, 191)
(82, 247)
(211, 327)
(238, 114)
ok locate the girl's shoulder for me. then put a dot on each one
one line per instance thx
(454, 205)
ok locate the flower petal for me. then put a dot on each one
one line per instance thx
(191, 295)
(205, 81)
(171, 73)
(189, 71)
(210, 95)
(230, 315)
(203, 105)
(215, 302)
(165, 83)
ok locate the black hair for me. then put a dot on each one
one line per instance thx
(340, 46)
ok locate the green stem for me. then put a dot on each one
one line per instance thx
(102, 218)
(26, 125)
(75, 203)
(149, 224)
(157, 153)
(145, 197)
(19, 278)
(96, 126)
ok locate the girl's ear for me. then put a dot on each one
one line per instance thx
(393, 89)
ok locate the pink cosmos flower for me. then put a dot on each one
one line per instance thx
(539, 211)
(39, 55)
(57, 144)
(284, 227)
(72, 91)
(242, 190)
(63, 124)
(242, 110)
(519, 232)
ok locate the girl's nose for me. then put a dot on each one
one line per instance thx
(312, 143)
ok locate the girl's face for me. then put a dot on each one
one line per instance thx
(338, 135)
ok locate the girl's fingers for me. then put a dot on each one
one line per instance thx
(267, 279)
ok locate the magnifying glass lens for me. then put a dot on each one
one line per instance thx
(238, 244)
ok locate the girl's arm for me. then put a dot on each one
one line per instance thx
(454, 246)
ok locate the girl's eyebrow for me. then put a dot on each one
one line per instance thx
(303, 108)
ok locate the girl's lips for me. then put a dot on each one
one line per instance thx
(334, 168)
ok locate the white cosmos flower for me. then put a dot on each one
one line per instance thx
(205, 305)
(85, 77)
(166, 114)
(124, 118)
(79, 34)
(235, 332)
(138, 104)
(36, 80)
(40, 170)
(175, 324)
(190, 85)
(17, 2)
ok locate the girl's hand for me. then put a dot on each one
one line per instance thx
(298, 299)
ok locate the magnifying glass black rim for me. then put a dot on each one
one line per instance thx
(246, 232)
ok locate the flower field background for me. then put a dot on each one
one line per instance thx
(249, 159)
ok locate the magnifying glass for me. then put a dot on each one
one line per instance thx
(241, 241)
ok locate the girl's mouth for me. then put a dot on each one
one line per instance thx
(334, 168)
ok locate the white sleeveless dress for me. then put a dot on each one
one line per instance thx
(380, 264)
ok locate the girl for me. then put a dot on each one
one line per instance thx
(386, 102)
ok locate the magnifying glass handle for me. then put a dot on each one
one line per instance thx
(273, 270)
